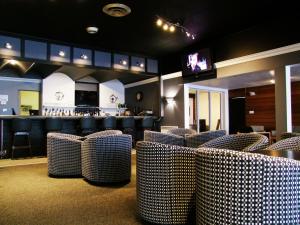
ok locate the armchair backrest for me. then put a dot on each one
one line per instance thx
(241, 142)
(163, 138)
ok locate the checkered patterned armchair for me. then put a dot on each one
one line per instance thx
(289, 135)
(103, 133)
(195, 140)
(165, 183)
(246, 188)
(181, 131)
(163, 138)
(64, 154)
(245, 142)
(107, 158)
(287, 144)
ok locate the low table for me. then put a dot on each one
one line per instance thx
(290, 154)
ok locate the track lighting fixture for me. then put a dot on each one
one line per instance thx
(171, 27)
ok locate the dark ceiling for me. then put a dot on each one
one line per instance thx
(66, 20)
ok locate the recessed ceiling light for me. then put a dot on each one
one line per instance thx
(92, 30)
(61, 53)
(123, 62)
(116, 10)
(8, 45)
(83, 56)
(12, 62)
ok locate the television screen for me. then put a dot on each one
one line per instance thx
(87, 98)
(196, 62)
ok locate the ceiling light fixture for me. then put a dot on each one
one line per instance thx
(83, 56)
(92, 30)
(116, 10)
(159, 22)
(8, 45)
(171, 27)
(123, 62)
(61, 53)
(140, 64)
(12, 62)
(165, 27)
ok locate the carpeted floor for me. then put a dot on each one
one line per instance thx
(29, 197)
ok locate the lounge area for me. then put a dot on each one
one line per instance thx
(149, 112)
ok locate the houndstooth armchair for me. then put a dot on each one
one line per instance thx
(64, 154)
(195, 140)
(105, 132)
(163, 138)
(289, 135)
(181, 131)
(165, 183)
(245, 142)
(107, 158)
(286, 144)
(246, 188)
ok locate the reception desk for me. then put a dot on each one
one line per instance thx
(71, 125)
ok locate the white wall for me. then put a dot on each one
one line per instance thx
(58, 90)
(106, 90)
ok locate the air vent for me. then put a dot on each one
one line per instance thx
(116, 10)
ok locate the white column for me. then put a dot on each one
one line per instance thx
(283, 109)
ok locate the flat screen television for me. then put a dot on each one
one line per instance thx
(197, 62)
(87, 98)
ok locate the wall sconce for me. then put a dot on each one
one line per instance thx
(252, 93)
(8, 45)
(170, 100)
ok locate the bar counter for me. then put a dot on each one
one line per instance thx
(71, 125)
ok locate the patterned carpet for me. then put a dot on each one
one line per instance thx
(29, 197)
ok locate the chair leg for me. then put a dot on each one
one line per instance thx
(29, 145)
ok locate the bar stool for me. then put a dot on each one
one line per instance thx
(110, 123)
(157, 123)
(88, 125)
(128, 126)
(146, 124)
(21, 127)
(54, 124)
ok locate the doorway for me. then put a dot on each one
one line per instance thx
(210, 107)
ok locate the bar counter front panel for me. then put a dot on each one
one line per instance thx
(71, 125)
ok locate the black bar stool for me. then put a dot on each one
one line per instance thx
(110, 123)
(88, 125)
(128, 126)
(21, 127)
(54, 124)
(157, 124)
(145, 124)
